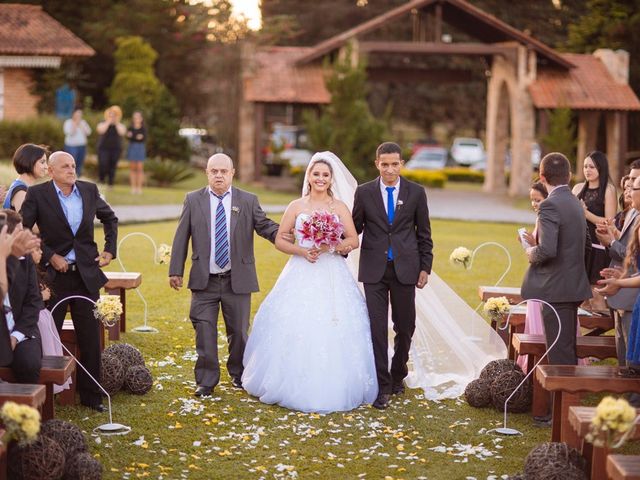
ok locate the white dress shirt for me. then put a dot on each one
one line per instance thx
(226, 203)
(383, 190)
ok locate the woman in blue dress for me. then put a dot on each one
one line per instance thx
(30, 161)
(136, 153)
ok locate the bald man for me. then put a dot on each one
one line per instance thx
(65, 209)
(219, 220)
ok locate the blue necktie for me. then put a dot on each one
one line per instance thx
(221, 240)
(390, 214)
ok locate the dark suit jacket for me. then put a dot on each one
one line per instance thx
(42, 206)
(556, 272)
(6, 354)
(195, 223)
(24, 295)
(409, 235)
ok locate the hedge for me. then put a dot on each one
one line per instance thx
(46, 130)
(458, 174)
(434, 179)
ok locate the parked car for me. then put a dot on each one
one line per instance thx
(423, 143)
(536, 157)
(201, 144)
(428, 158)
(468, 151)
(289, 140)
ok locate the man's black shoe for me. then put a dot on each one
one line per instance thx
(236, 382)
(382, 401)
(397, 389)
(203, 391)
(98, 407)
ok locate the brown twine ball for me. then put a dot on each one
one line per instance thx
(68, 436)
(494, 368)
(82, 466)
(554, 461)
(138, 380)
(41, 460)
(111, 373)
(504, 385)
(127, 353)
(478, 393)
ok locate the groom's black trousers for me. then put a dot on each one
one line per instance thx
(403, 315)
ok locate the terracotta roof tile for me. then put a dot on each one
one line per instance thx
(588, 86)
(276, 78)
(28, 30)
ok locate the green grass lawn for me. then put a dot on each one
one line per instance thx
(231, 435)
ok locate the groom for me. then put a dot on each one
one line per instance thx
(220, 221)
(396, 256)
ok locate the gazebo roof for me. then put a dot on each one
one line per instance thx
(277, 78)
(588, 86)
(29, 30)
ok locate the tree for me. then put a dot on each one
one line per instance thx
(562, 134)
(347, 126)
(135, 86)
(163, 124)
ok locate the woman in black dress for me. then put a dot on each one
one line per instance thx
(111, 131)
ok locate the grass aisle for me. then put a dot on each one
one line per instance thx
(233, 436)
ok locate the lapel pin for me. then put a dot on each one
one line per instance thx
(235, 209)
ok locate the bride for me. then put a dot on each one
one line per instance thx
(310, 346)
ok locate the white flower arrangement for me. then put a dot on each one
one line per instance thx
(613, 423)
(22, 423)
(164, 253)
(461, 256)
(495, 307)
(108, 309)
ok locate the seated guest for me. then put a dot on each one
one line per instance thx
(30, 161)
(23, 302)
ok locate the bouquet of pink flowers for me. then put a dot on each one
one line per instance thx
(323, 228)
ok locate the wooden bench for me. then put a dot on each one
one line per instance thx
(117, 284)
(512, 293)
(567, 381)
(54, 370)
(534, 346)
(595, 457)
(3, 458)
(32, 395)
(623, 467)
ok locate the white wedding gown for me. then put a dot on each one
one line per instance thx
(310, 345)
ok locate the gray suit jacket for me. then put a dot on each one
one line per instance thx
(618, 249)
(557, 272)
(195, 223)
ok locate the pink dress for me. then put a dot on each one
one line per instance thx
(51, 343)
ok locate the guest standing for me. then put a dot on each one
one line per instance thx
(136, 153)
(76, 130)
(111, 131)
(30, 161)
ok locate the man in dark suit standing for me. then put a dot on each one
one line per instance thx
(64, 210)
(556, 273)
(395, 258)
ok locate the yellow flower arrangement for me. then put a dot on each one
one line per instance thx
(495, 307)
(164, 253)
(461, 256)
(22, 423)
(613, 423)
(108, 309)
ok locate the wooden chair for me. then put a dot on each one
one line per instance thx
(117, 284)
(534, 346)
(512, 293)
(623, 467)
(3, 458)
(32, 395)
(54, 370)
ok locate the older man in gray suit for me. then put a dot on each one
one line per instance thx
(556, 272)
(220, 221)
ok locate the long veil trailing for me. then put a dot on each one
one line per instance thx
(451, 343)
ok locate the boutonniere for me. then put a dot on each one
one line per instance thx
(399, 204)
(235, 209)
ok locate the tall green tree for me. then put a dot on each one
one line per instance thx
(561, 136)
(347, 126)
(163, 125)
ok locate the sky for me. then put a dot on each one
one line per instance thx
(250, 9)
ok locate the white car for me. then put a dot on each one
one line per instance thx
(428, 158)
(468, 151)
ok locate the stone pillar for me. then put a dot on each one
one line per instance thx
(587, 137)
(245, 167)
(616, 144)
(497, 134)
(523, 127)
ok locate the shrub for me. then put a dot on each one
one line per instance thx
(45, 130)
(165, 172)
(435, 179)
(457, 174)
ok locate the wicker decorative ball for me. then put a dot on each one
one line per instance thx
(82, 466)
(554, 461)
(111, 373)
(41, 460)
(127, 353)
(494, 368)
(504, 385)
(478, 393)
(138, 380)
(68, 436)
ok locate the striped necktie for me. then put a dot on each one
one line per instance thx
(220, 233)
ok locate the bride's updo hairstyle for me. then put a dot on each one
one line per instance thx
(310, 169)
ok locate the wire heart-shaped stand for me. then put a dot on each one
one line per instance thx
(504, 430)
(106, 428)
